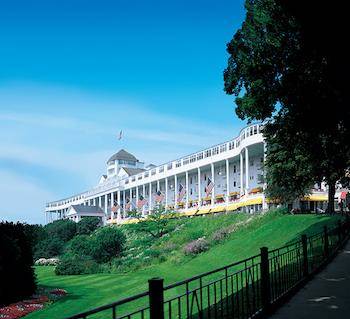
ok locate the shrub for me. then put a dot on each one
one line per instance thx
(17, 279)
(80, 245)
(196, 247)
(76, 265)
(222, 233)
(47, 262)
(88, 225)
(63, 229)
(108, 242)
(48, 248)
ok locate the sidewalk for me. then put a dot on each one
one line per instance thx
(327, 295)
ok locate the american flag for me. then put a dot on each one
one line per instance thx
(182, 192)
(115, 207)
(141, 202)
(127, 205)
(209, 187)
(159, 197)
(120, 135)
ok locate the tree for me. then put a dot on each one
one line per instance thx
(108, 242)
(288, 68)
(156, 223)
(63, 229)
(17, 278)
(87, 225)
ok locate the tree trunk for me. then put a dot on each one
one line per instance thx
(331, 194)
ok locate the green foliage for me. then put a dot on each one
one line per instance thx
(156, 224)
(76, 265)
(108, 242)
(48, 248)
(63, 229)
(282, 72)
(17, 279)
(87, 225)
(80, 245)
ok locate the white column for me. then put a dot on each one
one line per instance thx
(112, 204)
(264, 203)
(175, 187)
(124, 203)
(241, 172)
(94, 201)
(144, 196)
(106, 203)
(150, 198)
(130, 196)
(213, 180)
(246, 170)
(158, 185)
(199, 187)
(166, 192)
(137, 195)
(100, 201)
(227, 181)
(119, 205)
(187, 190)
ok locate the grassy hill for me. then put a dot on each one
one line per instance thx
(89, 291)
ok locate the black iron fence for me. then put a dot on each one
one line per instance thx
(244, 289)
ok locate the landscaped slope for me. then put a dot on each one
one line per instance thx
(89, 291)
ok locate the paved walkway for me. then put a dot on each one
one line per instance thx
(327, 295)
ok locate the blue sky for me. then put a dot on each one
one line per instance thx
(74, 73)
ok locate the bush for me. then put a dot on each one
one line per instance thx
(196, 247)
(76, 265)
(108, 242)
(88, 225)
(47, 262)
(17, 279)
(48, 248)
(63, 229)
(80, 245)
(222, 233)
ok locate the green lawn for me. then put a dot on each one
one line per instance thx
(90, 291)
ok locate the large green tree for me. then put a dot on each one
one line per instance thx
(288, 67)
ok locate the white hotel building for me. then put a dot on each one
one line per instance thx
(235, 167)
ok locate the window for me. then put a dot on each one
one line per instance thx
(200, 156)
(133, 179)
(231, 145)
(192, 158)
(169, 166)
(161, 169)
(191, 180)
(146, 174)
(207, 153)
(234, 184)
(223, 148)
(255, 129)
(139, 177)
(261, 160)
(205, 177)
(251, 178)
(234, 168)
(252, 163)
(153, 172)
(186, 161)
(191, 191)
(215, 150)
(178, 163)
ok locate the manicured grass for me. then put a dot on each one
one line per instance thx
(89, 291)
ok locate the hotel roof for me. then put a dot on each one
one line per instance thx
(123, 155)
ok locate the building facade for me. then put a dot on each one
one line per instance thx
(224, 177)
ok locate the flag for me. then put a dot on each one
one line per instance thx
(141, 202)
(209, 187)
(120, 135)
(182, 192)
(128, 204)
(115, 207)
(159, 197)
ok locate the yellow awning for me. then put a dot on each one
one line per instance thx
(218, 209)
(203, 211)
(190, 212)
(316, 198)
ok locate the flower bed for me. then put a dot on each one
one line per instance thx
(22, 308)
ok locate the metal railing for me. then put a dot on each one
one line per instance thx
(244, 289)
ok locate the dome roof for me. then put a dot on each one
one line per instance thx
(122, 155)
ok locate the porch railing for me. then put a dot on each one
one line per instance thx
(244, 289)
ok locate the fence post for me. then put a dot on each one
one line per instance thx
(305, 257)
(265, 279)
(326, 242)
(156, 298)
